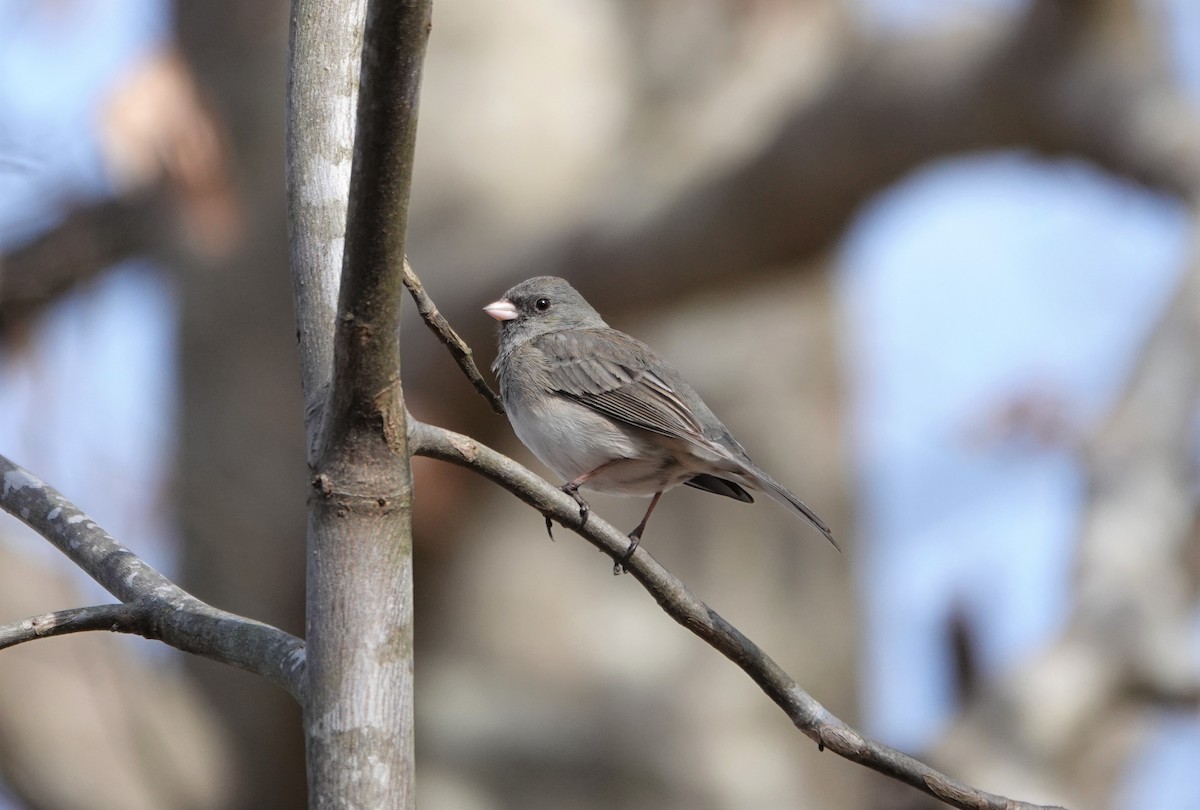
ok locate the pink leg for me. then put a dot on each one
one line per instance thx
(635, 536)
(572, 489)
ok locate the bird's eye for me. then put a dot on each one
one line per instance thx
(542, 304)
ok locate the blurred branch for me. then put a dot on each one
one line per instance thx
(445, 332)
(679, 603)
(1058, 80)
(1128, 646)
(163, 150)
(1061, 78)
(165, 611)
(155, 128)
(90, 240)
(118, 618)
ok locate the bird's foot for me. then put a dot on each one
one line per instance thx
(572, 489)
(635, 540)
(549, 528)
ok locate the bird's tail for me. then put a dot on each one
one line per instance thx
(781, 494)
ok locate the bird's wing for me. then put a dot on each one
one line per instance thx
(621, 378)
(624, 379)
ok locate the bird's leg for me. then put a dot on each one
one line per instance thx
(572, 489)
(635, 537)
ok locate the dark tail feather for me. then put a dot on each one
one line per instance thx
(719, 486)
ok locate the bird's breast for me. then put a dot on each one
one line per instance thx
(568, 437)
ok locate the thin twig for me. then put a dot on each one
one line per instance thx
(809, 716)
(165, 611)
(117, 618)
(445, 332)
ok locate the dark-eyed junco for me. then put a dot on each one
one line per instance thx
(607, 413)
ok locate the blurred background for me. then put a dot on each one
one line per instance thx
(932, 261)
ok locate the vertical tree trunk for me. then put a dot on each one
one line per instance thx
(359, 712)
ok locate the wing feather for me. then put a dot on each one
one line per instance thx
(622, 378)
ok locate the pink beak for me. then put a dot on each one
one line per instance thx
(502, 310)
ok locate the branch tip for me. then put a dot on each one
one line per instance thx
(437, 323)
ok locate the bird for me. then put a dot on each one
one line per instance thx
(608, 414)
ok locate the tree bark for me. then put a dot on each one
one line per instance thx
(359, 712)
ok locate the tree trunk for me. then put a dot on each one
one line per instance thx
(359, 712)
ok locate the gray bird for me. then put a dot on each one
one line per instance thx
(605, 412)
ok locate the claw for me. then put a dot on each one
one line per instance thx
(635, 540)
(572, 489)
(549, 528)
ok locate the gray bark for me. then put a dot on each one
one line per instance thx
(359, 714)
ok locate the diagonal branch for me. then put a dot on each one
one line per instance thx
(89, 240)
(445, 332)
(167, 612)
(118, 618)
(809, 716)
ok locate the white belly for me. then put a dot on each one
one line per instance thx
(573, 440)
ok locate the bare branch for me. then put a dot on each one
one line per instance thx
(809, 716)
(118, 618)
(167, 612)
(445, 332)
